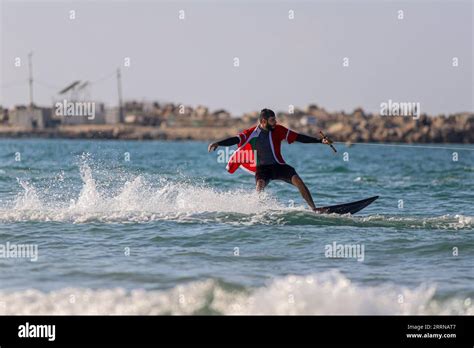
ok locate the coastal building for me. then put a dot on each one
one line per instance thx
(30, 117)
(79, 112)
(3, 115)
(112, 115)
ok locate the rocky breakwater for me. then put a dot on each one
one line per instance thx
(361, 127)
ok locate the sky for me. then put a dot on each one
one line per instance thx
(282, 61)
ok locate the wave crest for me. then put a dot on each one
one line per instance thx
(137, 200)
(326, 293)
(141, 200)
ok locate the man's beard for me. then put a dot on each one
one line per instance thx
(269, 127)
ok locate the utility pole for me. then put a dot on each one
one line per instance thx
(119, 89)
(30, 79)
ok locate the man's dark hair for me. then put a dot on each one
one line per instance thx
(266, 114)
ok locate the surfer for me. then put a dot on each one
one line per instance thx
(259, 152)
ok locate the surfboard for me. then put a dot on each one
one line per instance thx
(347, 208)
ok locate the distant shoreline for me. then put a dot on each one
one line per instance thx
(175, 122)
(209, 133)
(118, 132)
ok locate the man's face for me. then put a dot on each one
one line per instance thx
(269, 124)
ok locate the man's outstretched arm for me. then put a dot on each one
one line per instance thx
(224, 142)
(301, 138)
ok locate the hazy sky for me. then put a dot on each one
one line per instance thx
(282, 61)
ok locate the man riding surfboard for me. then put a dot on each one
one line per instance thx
(259, 152)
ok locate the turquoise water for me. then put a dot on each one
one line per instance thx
(170, 231)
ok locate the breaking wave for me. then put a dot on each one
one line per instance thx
(325, 293)
(141, 200)
(137, 200)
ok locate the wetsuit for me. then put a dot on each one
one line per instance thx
(267, 167)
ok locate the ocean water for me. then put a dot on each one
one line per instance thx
(157, 227)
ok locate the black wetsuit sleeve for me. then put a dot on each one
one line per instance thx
(229, 141)
(301, 138)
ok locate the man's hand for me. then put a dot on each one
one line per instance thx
(326, 141)
(224, 142)
(212, 147)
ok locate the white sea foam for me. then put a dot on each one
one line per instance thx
(138, 200)
(142, 200)
(444, 222)
(325, 293)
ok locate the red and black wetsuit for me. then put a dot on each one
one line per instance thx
(266, 144)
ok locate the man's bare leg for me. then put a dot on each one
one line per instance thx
(261, 185)
(296, 180)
